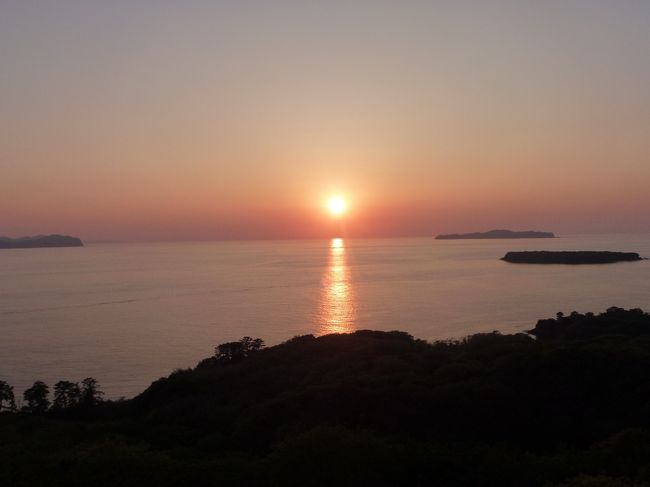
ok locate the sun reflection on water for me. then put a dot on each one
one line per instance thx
(337, 307)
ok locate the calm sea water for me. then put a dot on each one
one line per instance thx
(128, 314)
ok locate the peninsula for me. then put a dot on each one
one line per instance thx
(40, 241)
(495, 234)
(564, 405)
(578, 257)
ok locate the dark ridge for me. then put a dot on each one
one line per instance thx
(570, 257)
(563, 406)
(496, 234)
(619, 322)
(40, 241)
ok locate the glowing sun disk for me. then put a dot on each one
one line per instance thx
(336, 205)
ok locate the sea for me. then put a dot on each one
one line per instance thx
(128, 314)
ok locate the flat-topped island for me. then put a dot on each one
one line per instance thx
(570, 257)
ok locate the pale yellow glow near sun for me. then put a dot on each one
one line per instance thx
(336, 205)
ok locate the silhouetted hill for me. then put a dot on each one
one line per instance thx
(495, 234)
(569, 257)
(40, 241)
(569, 407)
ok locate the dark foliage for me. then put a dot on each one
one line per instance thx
(36, 398)
(570, 407)
(90, 394)
(66, 395)
(233, 352)
(7, 399)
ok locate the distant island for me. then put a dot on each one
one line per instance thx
(564, 405)
(495, 234)
(566, 257)
(40, 241)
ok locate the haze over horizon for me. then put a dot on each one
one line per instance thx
(225, 120)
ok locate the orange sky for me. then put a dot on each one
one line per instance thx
(238, 120)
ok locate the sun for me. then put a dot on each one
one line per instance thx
(336, 205)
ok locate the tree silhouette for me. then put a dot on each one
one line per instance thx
(66, 394)
(252, 344)
(36, 398)
(91, 393)
(7, 400)
(236, 351)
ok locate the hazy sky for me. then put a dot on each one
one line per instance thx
(233, 119)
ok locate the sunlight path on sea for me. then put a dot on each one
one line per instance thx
(338, 302)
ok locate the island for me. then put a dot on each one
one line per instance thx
(570, 257)
(562, 405)
(495, 234)
(40, 241)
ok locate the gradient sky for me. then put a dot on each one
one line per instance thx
(142, 120)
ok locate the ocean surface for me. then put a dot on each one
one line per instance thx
(128, 314)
